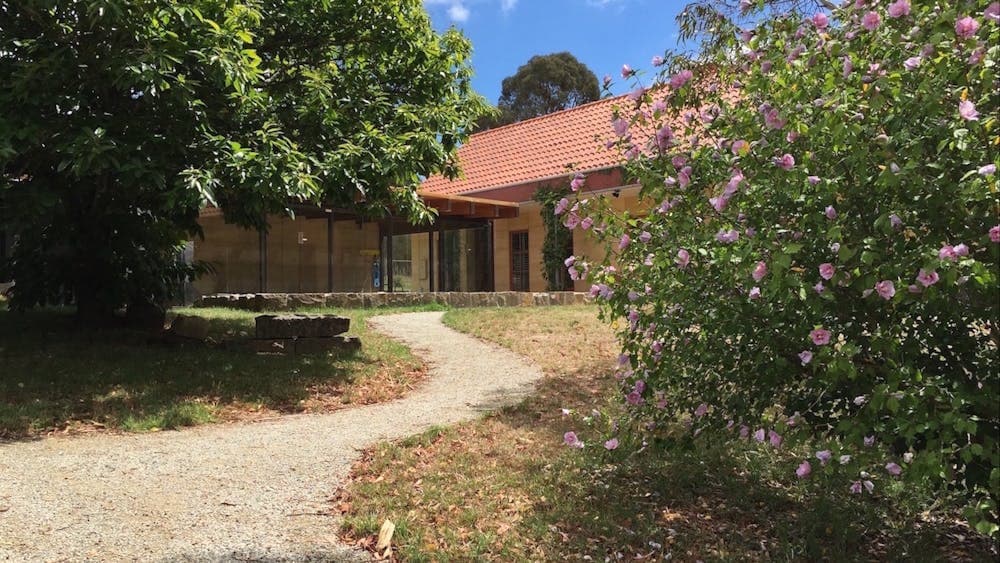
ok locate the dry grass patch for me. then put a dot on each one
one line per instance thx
(504, 488)
(59, 379)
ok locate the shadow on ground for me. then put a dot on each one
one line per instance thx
(57, 377)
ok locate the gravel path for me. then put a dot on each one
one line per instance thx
(249, 492)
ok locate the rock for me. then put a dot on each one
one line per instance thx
(189, 326)
(301, 326)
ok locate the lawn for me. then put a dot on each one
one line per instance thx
(504, 488)
(58, 379)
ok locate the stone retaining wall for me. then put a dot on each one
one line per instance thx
(292, 301)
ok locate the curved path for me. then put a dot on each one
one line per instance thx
(249, 492)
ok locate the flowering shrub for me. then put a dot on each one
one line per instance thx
(820, 257)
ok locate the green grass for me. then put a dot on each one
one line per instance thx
(504, 488)
(56, 377)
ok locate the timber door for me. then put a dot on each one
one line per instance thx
(519, 261)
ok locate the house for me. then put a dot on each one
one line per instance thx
(488, 235)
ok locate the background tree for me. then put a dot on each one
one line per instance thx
(546, 83)
(120, 120)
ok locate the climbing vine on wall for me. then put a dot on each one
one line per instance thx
(558, 240)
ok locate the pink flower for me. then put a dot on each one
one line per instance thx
(826, 271)
(848, 66)
(869, 441)
(805, 356)
(680, 79)
(718, 203)
(683, 258)
(773, 120)
(819, 287)
(684, 176)
(967, 110)
(760, 271)
(899, 9)
(586, 223)
(995, 233)
(624, 242)
(893, 468)
(961, 249)
(869, 486)
(824, 456)
(813, 180)
(657, 61)
(744, 431)
(774, 438)
(634, 398)
(645, 237)
(607, 80)
(578, 181)
(926, 278)
(627, 71)
(701, 411)
(620, 126)
(611, 444)
(871, 21)
(759, 435)
(755, 292)
(803, 470)
(895, 221)
(947, 252)
(727, 237)
(785, 162)
(966, 27)
(856, 488)
(987, 170)
(740, 147)
(992, 12)
(845, 459)
(571, 440)
(820, 20)
(561, 206)
(912, 63)
(664, 137)
(570, 261)
(886, 289)
(820, 336)
(830, 212)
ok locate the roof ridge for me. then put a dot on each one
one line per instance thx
(539, 117)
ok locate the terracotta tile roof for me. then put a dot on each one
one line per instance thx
(535, 149)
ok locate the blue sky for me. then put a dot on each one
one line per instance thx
(603, 34)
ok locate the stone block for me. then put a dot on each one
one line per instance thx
(301, 326)
(188, 326)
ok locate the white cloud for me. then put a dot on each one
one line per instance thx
(458, 12)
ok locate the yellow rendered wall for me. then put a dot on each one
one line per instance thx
(233, 252)
(530, 219)
(292, 267)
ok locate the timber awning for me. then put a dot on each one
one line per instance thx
(448, 205)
